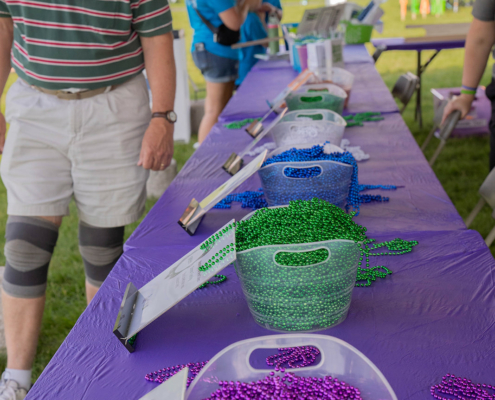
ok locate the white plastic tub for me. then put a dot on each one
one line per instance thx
(309, 126)
(338, 359)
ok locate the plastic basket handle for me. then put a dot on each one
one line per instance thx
(319, 116)
(311, 99)
(302, 251)
(300, 167)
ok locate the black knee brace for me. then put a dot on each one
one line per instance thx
(28, 249)
(100, 249)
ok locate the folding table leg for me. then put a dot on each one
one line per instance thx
(469, 220)
(439, 149)
(491, 237)
(428, 138)
(418, 115)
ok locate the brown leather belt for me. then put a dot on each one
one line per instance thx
(75, 96)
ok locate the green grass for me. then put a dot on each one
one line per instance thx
(461, 168)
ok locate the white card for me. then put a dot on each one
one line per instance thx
(173, 388)
(179, 280)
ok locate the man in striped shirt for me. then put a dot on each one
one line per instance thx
(81, 128)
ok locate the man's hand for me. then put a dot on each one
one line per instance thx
(158, 145)
(461, 103)
(3, 130)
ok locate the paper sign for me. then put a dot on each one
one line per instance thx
(178, 281)
(213, 198)
(309, 22)
(329, 19)
(173, 388)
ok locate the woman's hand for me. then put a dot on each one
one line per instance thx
(461, 103)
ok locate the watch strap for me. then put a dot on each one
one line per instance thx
(162, 115)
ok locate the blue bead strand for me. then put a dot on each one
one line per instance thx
(248, 199)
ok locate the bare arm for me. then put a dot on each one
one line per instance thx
(158, 142)
(479, 42)
(6, 39)
(234, 17)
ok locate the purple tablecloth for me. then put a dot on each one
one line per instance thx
(434, 315)
(401, 44)
(264, 83)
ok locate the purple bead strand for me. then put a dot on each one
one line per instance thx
(454, 387)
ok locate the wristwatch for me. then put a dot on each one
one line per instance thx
(170, 116)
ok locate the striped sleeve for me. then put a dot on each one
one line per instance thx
(151, 17)
(4, 11)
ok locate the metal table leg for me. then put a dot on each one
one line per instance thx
(421, 69)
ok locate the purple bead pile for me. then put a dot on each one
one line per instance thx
(162, 375)
(455, 387)
(289, 386)
(294, 357)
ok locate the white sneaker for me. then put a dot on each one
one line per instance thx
(10, 389)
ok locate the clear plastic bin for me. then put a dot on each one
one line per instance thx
(317, 96)
(340, 77)
(309, 126)
(338, 359)
(299, 298)
(332, 184)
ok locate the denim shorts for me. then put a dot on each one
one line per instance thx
(215, 68)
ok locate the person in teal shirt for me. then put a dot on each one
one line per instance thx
(218, 63)
(252, 29)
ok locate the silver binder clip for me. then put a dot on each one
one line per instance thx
(187, 221)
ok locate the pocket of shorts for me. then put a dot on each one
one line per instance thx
(201, 60)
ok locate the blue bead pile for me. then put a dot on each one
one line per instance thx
(248, 199)
(316, 153)
(302, 172)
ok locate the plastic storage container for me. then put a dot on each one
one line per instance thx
(299, 298)
(340, 77)
(331, 184)
(357, 33)
(338, 359)
(309, 126)
(317, 96)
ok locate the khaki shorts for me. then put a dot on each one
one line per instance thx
(87, 149)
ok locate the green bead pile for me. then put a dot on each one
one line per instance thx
(303, 221)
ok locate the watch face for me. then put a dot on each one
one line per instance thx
(172, 116)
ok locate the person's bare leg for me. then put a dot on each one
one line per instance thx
(217, 97)
(90, 292)
(22, 319)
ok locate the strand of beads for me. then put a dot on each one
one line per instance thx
(248, 199)
(289, 386)
(362, 188)
(220, 279)
(369, 198)
(455, 387)
(240, 124)
(293, 357)
(366, 276)
(359, 118)
(166, 373)
(212, 239)
(217, 257)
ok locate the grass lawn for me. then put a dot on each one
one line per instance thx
(461, 168)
